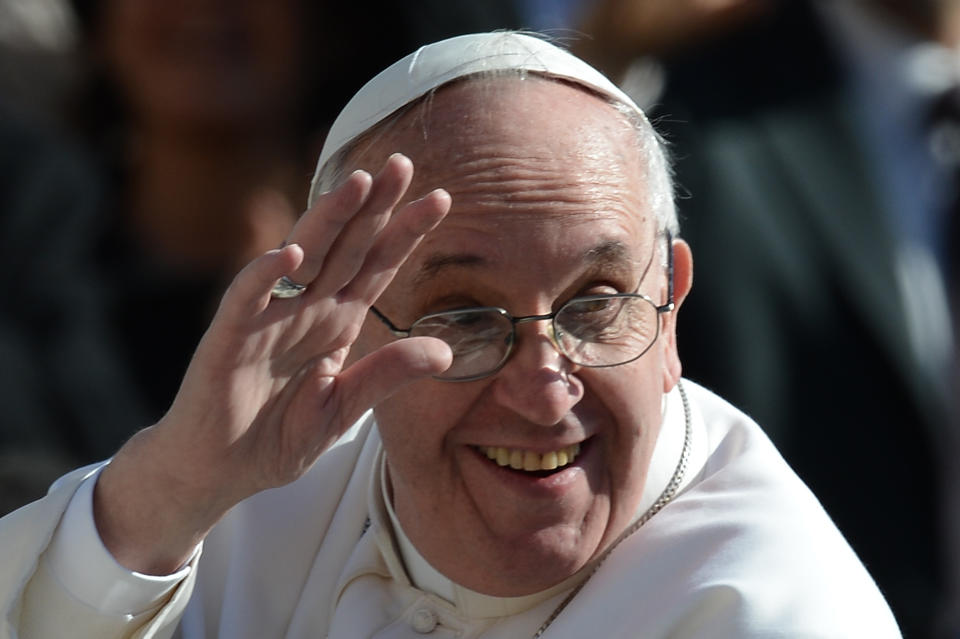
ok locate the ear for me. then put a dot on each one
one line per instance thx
(682, 281)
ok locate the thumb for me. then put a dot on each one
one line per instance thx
(381, 373)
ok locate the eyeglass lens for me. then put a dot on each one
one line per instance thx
(593, 331)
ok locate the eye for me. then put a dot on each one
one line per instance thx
(468, 319)
(591, 306)
(598, 289)
(466, 331)
(453, 324)
(591, 319)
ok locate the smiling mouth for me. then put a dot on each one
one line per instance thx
(528, 460)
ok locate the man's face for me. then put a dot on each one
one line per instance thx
(549, 203)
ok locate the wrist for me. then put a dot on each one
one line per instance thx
(148, 516)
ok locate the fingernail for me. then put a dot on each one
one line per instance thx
(295, 246)
(440, 193)
(400, 157)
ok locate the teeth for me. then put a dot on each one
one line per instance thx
(530, 461)
(549, 461)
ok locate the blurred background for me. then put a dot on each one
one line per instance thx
(149, 148)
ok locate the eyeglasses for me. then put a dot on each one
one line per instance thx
(595, 331)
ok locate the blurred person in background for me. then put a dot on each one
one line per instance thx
(207, 115)
(200, 121)
(820, 188)
(66, 398)
(197, 116)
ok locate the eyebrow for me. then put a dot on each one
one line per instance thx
(440, 261)
(608, 253)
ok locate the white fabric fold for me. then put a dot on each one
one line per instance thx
(85, 568)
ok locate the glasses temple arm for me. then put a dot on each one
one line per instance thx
(397, 332)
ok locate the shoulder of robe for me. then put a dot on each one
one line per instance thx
(745, 550)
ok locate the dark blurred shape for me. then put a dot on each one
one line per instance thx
(801, 310)
(37, 65)
(66, 399)
(617, 32)
(199, 125)
(195, 114)
(206, 118)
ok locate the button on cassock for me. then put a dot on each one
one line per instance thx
(424, 620)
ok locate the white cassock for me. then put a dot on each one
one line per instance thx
(742, 550)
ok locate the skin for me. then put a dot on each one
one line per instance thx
(531, 205)
(274, 382)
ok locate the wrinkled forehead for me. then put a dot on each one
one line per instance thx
(517, 143)
(528, 162)
(525, 159)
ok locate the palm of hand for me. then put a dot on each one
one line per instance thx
(267, 391)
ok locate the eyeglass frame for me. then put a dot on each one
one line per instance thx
(669, 306)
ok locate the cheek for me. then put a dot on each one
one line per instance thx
(415, 422)
(632, 392)
(631, 397)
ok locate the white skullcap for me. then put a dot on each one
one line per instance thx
(434, 65)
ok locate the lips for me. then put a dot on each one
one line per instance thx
(528, 460)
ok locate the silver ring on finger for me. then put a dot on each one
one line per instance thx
(285, 288)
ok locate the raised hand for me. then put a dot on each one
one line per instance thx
(267, 391)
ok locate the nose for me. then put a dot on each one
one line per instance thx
(538, 381)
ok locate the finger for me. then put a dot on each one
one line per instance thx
(395, 244)
(381, 373)
(320, 406)
(349, 251)
(319, 227)
(249, 293)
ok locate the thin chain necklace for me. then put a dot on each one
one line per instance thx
(665, 497)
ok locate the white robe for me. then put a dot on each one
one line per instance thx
(744, 550)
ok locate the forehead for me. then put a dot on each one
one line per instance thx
(510, 119)
(521, 155)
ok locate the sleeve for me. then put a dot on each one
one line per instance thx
(79, 590)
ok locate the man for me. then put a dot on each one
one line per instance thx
(539, 469)
(67, 400)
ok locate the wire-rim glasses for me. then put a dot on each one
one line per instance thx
(595, 331)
